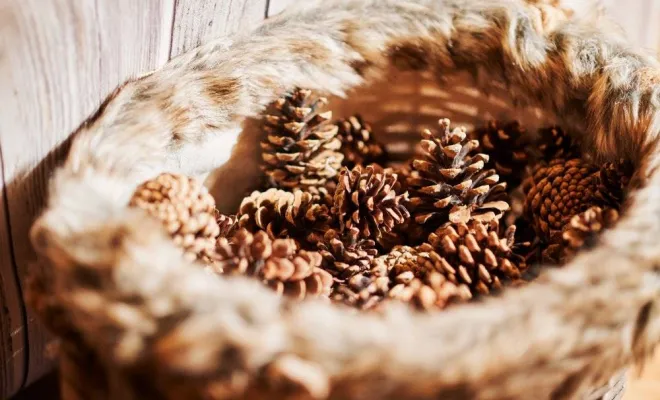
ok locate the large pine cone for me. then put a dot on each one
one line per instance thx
(506, 145)
(302, 147)
(278, 263)
(452, 184)
(358, 144)
(347, 254)
(473, 255)
(283, 214)
(581, 232)
(555, 193)
(185, 208)
(367, 200)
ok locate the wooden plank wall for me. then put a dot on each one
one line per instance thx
(58, 60)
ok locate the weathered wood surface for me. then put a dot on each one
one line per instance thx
(58, 60)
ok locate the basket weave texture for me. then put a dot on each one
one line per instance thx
(137, 321)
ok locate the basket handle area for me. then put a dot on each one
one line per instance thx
(150, 315)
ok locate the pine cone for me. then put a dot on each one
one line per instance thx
(185, 208)
(366, 200)
(506, 146)
(278, 263)
(613, 181)
(581, 232)
(421, 287)
(302, 148)
(347, 254)
(227, 224)
(285, 214)
(555, 143)
(358, 144)
(473, 255)
(362, 291)
(556, 193)
(452, 185)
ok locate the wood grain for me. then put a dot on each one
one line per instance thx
(198, 21)
(277, 6)
(58, 60)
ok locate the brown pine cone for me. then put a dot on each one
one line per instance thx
(278, 263)
(554, 143)
(581, 232)
(362, 291)
(506, 146)
(417, 285)
(283, 214)
(367, 200)
(302, 148)
(185, 208)
(358, 144)
(554, 194)
(613, 181)
(473, 255)
(347, 254)
(227, 224)
(452, 184)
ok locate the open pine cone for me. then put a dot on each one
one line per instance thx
(302, 148)
(555, 193)
(451, 184)
(185, 208)
(358, 144)
(227, 224)
(347, 254)
(283, 214)
(506, 145)
(278, 263)
(554, 143)
(613, 181)
(367, 200)
(581, 232)
(473, 255)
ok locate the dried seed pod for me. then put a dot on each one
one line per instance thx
(474, 255)
(554, 143)
(366, 200)
(554, 194)
(185, 208)
(506, 146)
(283, 214)
(358, 144)
(302, 148)
(452, 184)
(278, 263)
(581, 232)
(347, 254)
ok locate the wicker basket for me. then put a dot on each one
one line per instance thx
(136, 321)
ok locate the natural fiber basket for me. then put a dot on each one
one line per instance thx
(137, 321)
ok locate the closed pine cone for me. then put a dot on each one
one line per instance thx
(506, 145)
(613, 181)
(473, 255)
(347, 254)
(278, 263)
(283, 214)
(185, 208)
(581, 232)
(557, 192)
(416, 284)
(554, 143)
(302, 148)
(358, 144)
(367, 200)
(452, 184)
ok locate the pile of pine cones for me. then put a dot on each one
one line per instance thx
(334, 219)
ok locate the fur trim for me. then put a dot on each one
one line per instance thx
(164, 327)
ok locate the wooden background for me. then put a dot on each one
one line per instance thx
(58, 60)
